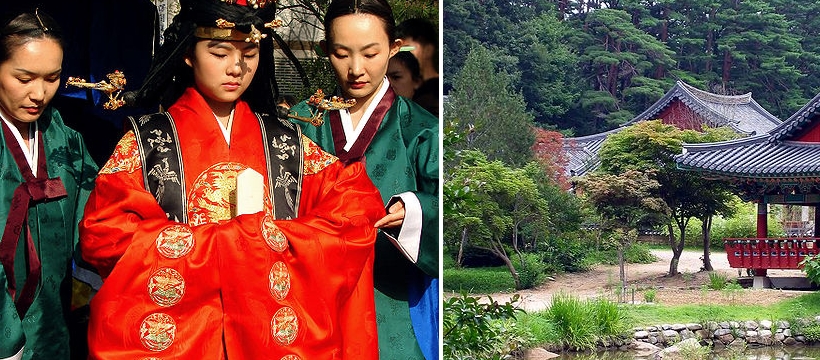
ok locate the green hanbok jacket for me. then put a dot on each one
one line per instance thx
(43, 330)
(402, 156)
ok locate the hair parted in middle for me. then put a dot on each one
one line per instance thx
(169, 76)
(378, 8)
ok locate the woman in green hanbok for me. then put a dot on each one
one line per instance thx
(398, 142)
(45, 180)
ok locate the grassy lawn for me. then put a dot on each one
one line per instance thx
(805, 306)
(478, 280)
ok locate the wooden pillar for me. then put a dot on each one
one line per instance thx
(762, 228)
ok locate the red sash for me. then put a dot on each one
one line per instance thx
(33, 190)
(356, 152)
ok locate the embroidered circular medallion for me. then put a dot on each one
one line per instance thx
(157, 331)
(279, 280)
(166, 287)
(284, 326)
(290, 357)
(273, 236)
(175, 241)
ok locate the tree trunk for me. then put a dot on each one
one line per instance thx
(727, 65)
(707, 243)
(673, 265)
(621, 269)
(498, 250)
(460, 256)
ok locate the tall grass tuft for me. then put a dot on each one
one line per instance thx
(609, 319)
(717, 281)
(572, 319)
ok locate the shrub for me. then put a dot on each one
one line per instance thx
(639, 253)
(567, 254)
(530, 271)
(812, 332)
(475, 330)
(649, 295)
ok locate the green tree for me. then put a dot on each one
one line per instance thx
(504, 199)
(623, 201)
(650, 146)
(483, 100)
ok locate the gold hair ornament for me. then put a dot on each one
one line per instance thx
(112, 89)
(226, 30)
(37, 15)
(318, 101)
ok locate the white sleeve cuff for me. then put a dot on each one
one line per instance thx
(409, 238)
(17, 356)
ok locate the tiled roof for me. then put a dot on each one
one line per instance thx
(770, 155)
(739, 112)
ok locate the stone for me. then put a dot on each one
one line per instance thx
(766, 324)
(643, 349)
(787, 332)
(721, 332)
(702, 334)
(726, 339)
(686, 334)
(539, 354)
(694, 327)
(670, 334)
(765, 333)
(750, 325)
(783, 324)
(641, 334)
(678, 327)
(779, 336)
(789, 341)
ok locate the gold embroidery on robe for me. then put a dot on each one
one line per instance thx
(126, 156)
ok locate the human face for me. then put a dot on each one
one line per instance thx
(359, 51)
(223, 70)
(29, 79)
(401, 79)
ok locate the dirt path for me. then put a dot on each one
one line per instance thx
(684, 288)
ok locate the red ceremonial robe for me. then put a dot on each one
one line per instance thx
(243, 287)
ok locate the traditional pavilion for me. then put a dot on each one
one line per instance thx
(781, 166)
(685, 107)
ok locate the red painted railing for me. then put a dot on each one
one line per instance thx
(770, 253)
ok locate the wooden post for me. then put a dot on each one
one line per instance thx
(760, 280)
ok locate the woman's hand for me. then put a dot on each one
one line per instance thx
(394, 217)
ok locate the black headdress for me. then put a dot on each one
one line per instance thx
(211, 19)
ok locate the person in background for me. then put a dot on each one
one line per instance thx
(47, 176)
(403, 73)
(397, 140)
(219, 230)
(283, 105)
(422, 36)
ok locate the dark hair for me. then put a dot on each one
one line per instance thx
(409, 60)
(422, 31)
(289, 99)
(169, 76)
(26, 27)
(378, 8)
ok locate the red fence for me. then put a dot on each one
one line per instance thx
(769, 253)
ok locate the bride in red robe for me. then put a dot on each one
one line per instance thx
(191, 271)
